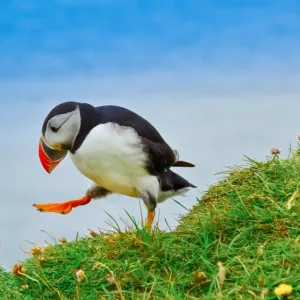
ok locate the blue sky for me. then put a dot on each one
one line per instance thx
(59, 37)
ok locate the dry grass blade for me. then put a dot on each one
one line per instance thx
(221, 274)
(291, 202)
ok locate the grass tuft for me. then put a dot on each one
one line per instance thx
(240, 241)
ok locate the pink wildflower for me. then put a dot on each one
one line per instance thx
(275, 151)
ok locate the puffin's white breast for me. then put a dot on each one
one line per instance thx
(112, 156)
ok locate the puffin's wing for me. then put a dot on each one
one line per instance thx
(160, 154)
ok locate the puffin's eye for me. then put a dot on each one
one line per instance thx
(54, 129)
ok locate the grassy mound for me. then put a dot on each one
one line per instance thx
(239, 242)
(9, 286)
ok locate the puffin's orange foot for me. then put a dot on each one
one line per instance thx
(63, 207)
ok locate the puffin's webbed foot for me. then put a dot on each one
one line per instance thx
(63, 207)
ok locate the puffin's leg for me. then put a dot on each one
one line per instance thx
(150, 219)
(149, 189)
(93, 192)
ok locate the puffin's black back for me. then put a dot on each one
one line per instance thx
(160, 154)
(93, 116)
(126, 117)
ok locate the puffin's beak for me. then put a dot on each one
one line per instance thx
(50, 156)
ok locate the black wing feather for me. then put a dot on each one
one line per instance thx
(160, 154)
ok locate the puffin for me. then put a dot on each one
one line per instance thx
(114, 147)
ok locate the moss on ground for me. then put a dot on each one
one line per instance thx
(246, 227)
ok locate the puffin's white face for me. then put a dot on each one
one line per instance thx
(60, 133)
(62, 130)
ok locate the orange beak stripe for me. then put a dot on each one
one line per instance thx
(49, 157)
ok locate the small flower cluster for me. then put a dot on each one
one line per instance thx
(63, 240)
(37, 251)
(18, 269)
(80, 275)
(275, 151)
(283, 290)
(200, 277)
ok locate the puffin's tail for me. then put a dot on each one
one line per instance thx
(171, 181)
(171, 185)
(181, 163)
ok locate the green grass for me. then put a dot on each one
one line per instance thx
(242, 221)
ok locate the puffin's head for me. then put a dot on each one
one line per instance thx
(59, 132)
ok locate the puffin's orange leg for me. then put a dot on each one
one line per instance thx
(63, 207)
(150, 219)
